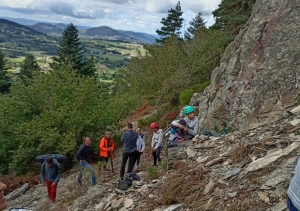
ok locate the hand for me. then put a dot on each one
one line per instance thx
(53, 184)
(186, 129)
(181, 126)
(109, 149)
(154, 150)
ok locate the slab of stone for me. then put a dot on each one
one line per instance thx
(296, 110)
(128, 202)
(209, 187)
(218, 192)
(279, 206)
(273, 181)
(232, 194)
(117, 203)
(280, 190)
(295, 122)
(191, 152)
(232, 173)
(174, 207)
(202, 159)
(272, 157)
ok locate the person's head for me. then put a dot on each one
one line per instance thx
(154, 126)
(49, 161)
(107, 134)
(189, 111)
(87, 141)
(139, 131)
(129, 126)
(2, 198)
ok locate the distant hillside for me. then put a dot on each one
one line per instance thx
(47, 28)
(107, 33)
(147, 38)
(16, 39)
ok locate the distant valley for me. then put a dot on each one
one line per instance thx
(101, 32)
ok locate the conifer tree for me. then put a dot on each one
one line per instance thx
(171, 25)
(70, 52)
(5, 79)
(28, 66)
(195, 24)
(231, 16)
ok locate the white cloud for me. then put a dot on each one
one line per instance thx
(135, 15)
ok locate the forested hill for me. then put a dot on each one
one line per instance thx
(15, 39)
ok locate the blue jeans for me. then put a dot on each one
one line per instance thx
(86, 165)
(291, 206)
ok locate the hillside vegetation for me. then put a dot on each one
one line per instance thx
(52, 112)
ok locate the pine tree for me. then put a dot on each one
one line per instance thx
(5, 79)
(195, 24)
(89, 69)
(70, 52)
(28, 66)
(231, 16)
(171, 25)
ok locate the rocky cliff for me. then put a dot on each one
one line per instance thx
(259, 74)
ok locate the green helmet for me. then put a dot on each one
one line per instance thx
(188, 109)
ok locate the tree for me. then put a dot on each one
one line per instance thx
(231, 16)
(50, 114)
(171, 25)
(70, 52)
(28, 66)
(5, 79)
(195, 24)
(89, 69)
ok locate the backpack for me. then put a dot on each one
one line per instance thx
(58, 157)
(127, 182)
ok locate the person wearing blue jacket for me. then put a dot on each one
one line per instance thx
(84, 157)
(50, 175)
(129, 138)
(293, 192)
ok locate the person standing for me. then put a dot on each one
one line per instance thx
(83, 155)
(3, 204)
(50, 174)
(140, 144)
(106, 148)
(293, 192)
(157, 142)
(129, 138)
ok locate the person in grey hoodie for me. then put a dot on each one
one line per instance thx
(157, 142)
(129, 138)
(293, 192)
(50, 175)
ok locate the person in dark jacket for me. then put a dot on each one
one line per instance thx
(129, 138)
(50, 174)
(3, 204)
(293, 202)
(83, 155)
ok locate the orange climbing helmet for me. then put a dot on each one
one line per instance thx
(154, 125)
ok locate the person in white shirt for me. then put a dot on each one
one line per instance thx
(140, 145)
(157, 142)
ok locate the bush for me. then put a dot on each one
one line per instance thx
(152, 173)
(199, 88)
(185, 96)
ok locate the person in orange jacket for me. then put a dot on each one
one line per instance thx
(106, 148)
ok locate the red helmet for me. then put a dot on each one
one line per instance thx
(154, 125)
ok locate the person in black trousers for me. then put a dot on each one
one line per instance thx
(129, 138)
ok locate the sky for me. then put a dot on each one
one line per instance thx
(133, 15)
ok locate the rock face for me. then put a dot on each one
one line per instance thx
(259, 74)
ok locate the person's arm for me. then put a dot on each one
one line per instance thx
(160, 139)
(152, 142)
(143, 145)
(78, 154)
(42, 173)
(175, 123)
(57, 178)
(195, 129)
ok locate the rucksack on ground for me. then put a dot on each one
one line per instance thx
(127, 182)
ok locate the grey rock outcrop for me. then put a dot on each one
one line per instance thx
(259, 73)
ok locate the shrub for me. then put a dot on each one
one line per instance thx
(152, 173)
(185, 96)
(199, 88)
